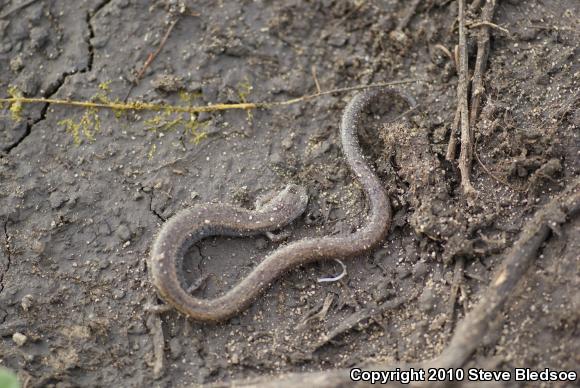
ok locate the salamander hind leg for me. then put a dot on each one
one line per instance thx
(286, 205)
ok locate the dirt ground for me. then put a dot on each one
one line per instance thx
(77, 220)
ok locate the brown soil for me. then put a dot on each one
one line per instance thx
(77, 222)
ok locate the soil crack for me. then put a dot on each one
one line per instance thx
(8, 252)
(90, 15)
(55, 86)
(151, 209)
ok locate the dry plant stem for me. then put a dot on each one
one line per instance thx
(154, 55)
(452, 146)
(313, 68)
(466, 152)
(470, 331)
(151, 58)
(457, 281)
(489, 24)
(446, 52)
(475, 325)
(481, 61)
(158, 340)
(141, 106)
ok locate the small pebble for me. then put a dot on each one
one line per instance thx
(27, 302)
(118, 294)
(123, 232)
(19, 338)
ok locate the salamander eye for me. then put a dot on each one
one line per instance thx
(293, 190)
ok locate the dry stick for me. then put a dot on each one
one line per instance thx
(313, 69)
(489, 24)
(457, 281)
(151, 57)
(481, 61)
(466, 152)
(141, 106)
(446, 52)
(471, 330)
(155, 327)
(365, 313)
(451, 147)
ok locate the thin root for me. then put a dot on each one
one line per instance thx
(335, 278)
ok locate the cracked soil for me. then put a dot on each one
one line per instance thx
(77, 221)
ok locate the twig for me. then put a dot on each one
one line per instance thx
(142, 106)
(481, 61)
(154, 55)
(321, 314)
(154, 325)
(489, 24)
(472, 329)
(466, 152)
(151, 57)
(451, 147)
(334, 278)
(365, 313)
(457, 280)
(446, 52)
(313, 68)
(474, 326)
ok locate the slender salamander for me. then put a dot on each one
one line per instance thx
(189, 226)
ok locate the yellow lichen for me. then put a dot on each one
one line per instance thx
(105, 86)
(73, 128)
(193, 127)
(16, 106)
(87, 126)
(244, 90)
(169, 117)
(188, 97)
